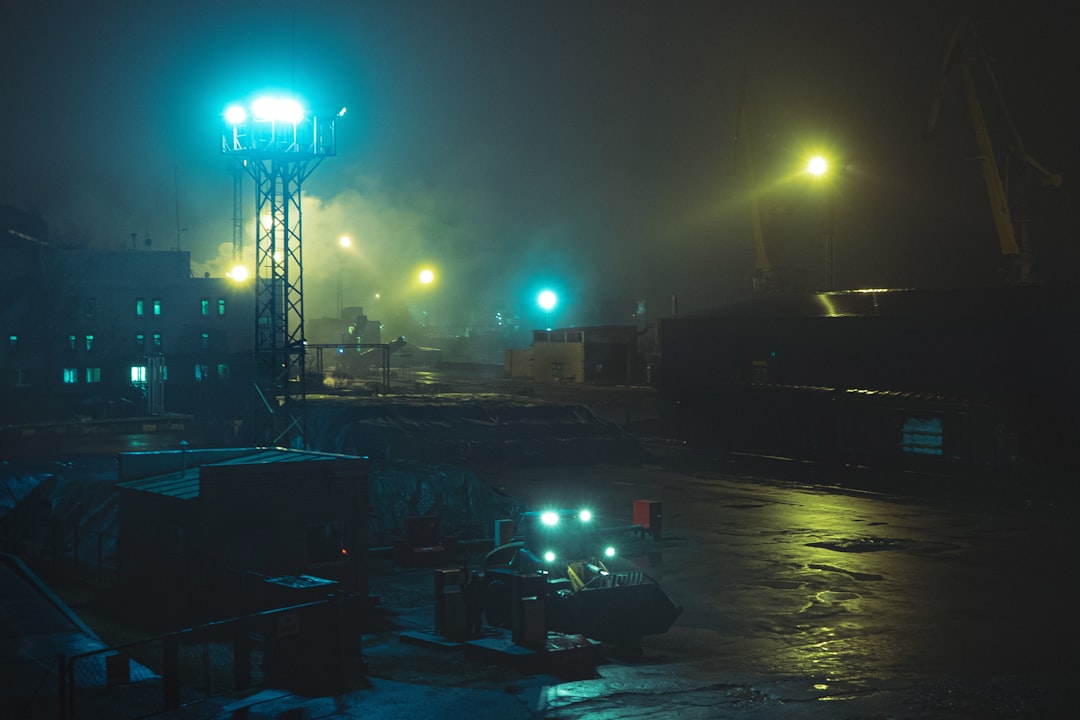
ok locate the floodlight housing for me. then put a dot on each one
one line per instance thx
(277, 126)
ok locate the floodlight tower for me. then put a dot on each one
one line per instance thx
(279, 145)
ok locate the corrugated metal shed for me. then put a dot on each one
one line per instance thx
(184, 483)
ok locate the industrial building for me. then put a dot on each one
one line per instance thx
(978, 377)
(599, 355)
(95, 334)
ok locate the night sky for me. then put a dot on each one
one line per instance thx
(588, 146)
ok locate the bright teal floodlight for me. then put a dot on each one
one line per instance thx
(547, 300)
(235, 115)
(277, 109)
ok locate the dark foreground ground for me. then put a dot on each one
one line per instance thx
(808, 596)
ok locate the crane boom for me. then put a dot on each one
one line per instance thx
(963, 49)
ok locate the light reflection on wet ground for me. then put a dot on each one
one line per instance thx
(860, 595)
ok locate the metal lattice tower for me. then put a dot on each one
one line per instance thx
(279, 147)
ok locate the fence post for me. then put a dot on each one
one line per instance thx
(75, 548)
(170, 673)
(241, 654)
(62, 687)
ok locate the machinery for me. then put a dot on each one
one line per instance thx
(964, 50)
(561, 558)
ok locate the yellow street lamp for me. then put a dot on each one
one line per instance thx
(344, 242)
(818, 167)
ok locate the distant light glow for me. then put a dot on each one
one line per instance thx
(550, 518)
(267, 221)
(547, 300)
(427, 276)
(238, 273)
(817, 166)
(345, 241)
(549, 556)
(585, 515)
(609, 552)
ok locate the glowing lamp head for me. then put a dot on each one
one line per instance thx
(817, 166)
(585, 515)
(549, 556)
(550, 518)
(427, 276)
(547, 300)
(274, 109)
(609, 552)
(235, 115)
(344, 241)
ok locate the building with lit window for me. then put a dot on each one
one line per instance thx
(90, 333)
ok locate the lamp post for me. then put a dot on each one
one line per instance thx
(345, 242)
(547, 300)
(279, 144)
(818, 167)
(426, 279)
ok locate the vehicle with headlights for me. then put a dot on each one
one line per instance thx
(563, 557)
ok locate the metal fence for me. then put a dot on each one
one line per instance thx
(85, 555)
(291, 648)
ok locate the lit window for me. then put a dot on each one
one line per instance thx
(223, 371)
(157, 306)
(71, 376)
(204, 306)
(13, 341)
(221, 307)
(205, 340)
(140, 307)
(140, 341)
(72, 340)
(157, 341)
(923, 436)
(202, 372)
(89, 343)
(138, 374)
(93, 375)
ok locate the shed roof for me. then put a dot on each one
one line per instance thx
(183, 481)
